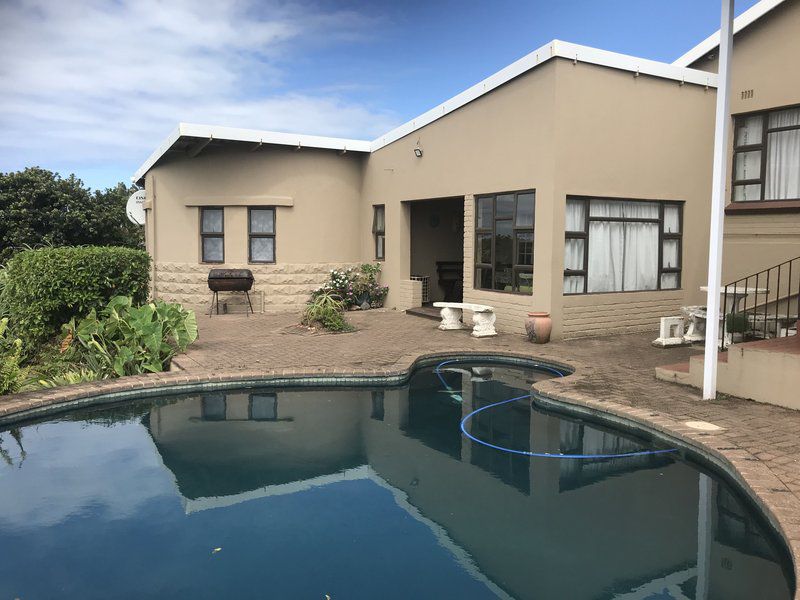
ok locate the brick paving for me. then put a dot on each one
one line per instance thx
(612, 374)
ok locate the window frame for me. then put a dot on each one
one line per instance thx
(251, 235)
(762, 146)
(379, 233)
(213, 234)
(516, 267)
(662, 236)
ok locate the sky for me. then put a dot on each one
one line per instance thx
(92, 87)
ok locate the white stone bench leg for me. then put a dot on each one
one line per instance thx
(483, 324)
(451, 319)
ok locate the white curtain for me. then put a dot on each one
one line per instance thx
(783, 165)
(606, 247)
(623, 256)
(672, 220)
(783, 157)
(576, 215)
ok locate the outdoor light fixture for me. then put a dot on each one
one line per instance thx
(417, 150)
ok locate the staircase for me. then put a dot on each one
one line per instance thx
(759, 334)
(763, 305)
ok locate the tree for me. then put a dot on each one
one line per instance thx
(39, 207)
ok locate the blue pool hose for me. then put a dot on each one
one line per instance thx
(467, 418)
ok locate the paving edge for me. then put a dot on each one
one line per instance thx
(754, 478)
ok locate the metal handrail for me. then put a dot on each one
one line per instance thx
(774, 306)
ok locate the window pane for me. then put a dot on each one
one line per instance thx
(525, 210)
(263, 407)
(640, 261)
(749, 130)
(484, 250)
(212, 220)
(380, 250)
(574, 253)
(605, 256)
(669, 256)
(672, 218)
(525, 248)
(262, 249)
(524, 282)
(505, 206)
(484, 213)
(576, 215)
(640, 210)
(783, 165)
(605, 208)
(503, 256)
(784, 118)
(213, 407)
(483, 278)
(212, 249)
(573, 284)
(262, 220)
(747, 165)
(745, 193)
(669, 281)
(379, 219)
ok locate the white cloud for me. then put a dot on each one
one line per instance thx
(86, 82)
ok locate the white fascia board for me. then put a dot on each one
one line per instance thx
(249, 135)
(173, 137)
(752, 14)
(556, 48)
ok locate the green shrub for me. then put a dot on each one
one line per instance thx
(356, 285)
(12, 374)
(47, 287)
(737, 323)
(326, 309)
(123, 339)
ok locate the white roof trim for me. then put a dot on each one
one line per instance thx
(752, 14)
(556, 48)
(248, 135)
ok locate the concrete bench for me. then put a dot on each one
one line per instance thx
(483, 317)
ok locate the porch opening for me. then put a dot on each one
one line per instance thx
(437, 251)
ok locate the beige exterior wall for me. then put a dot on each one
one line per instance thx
(631, 137)
(317, 198)
(501, 141)
(764, 61)
(561, 129)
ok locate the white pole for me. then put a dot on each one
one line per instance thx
(718, 202)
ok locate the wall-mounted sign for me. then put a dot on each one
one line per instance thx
(135, 207)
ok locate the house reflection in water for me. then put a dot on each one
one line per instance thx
(629, 526)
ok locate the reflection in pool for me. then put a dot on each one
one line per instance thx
(299, 493)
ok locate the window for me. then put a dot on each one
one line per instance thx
(622, 245)
(263, 407)
(261, 234)
(504, 242)
(212, 237)
(766, 157)
(213, 407)
(379, 230)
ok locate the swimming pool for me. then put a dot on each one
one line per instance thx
(443, 487)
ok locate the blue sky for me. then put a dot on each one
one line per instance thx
(93, 86)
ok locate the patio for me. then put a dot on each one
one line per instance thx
(613, 374)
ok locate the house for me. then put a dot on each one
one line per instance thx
(575, 181)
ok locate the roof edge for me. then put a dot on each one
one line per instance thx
(256, 136)
(748, 17)
(553, 49)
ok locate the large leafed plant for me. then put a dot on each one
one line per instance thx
(123, 339)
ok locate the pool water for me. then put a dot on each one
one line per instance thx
(369, 493)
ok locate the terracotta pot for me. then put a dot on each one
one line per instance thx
(538, 326)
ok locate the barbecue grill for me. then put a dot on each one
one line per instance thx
(229, 280)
